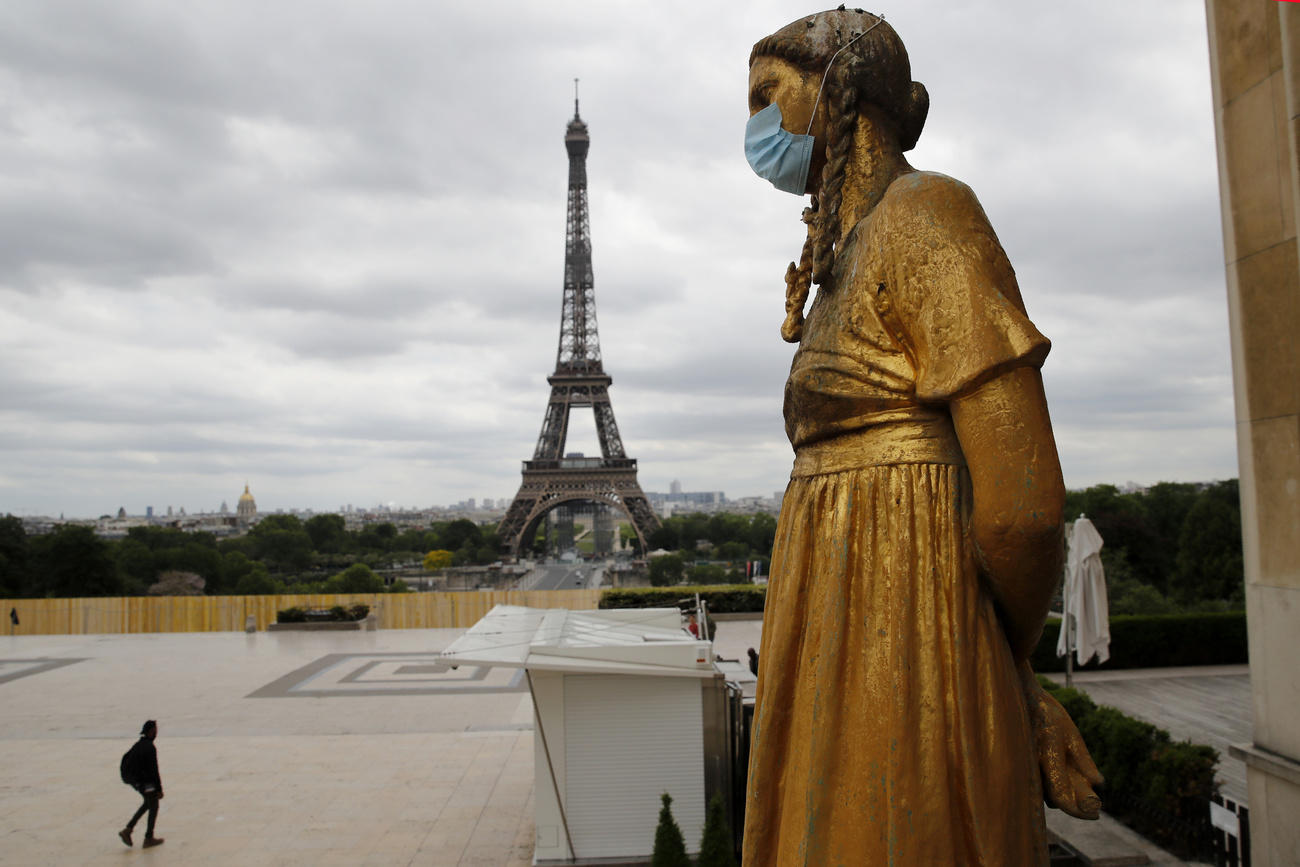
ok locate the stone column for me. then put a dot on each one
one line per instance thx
(1255, 72)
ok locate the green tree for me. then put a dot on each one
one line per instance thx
(135, 564)
(1209, 562)
(13, 557)
(1134, 597)
(666, 570)
(694, 529)
(256, 582)
(726, 527)
(377, 537)
(235, 565)
(415, 540)
(717, 848)
(670, 845)
(731, 551)
(762, 531)
(72, 561)
(329, 533)
(1167, 505)
(281, 543)
(453, 536)
(357, 578)
(665, 537)
(709, 573)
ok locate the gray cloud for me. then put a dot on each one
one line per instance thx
(319, 246)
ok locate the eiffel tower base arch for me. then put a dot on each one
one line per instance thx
(574, 480)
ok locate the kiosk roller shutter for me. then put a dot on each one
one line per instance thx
(627, 741)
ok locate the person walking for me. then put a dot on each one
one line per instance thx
(140, 771)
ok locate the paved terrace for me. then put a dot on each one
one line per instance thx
(309, 748)
(276, 748)
(287, 748)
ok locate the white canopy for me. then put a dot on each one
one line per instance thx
(647, 641)
(1087, 611)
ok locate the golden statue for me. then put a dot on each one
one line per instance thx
(920, 537)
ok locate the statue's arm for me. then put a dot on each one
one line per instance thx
(1019, 496)
(1016, 524)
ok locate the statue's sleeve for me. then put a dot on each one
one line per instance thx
(952, 295)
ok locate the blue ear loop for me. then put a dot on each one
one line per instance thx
(780, 156)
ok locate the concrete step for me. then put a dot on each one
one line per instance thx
(1106, 842)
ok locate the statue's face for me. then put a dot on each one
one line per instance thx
(773, 80)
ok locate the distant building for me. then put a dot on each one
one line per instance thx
(246, 510)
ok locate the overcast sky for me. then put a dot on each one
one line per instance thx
(318, 246)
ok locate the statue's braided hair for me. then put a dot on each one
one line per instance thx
(871, 70)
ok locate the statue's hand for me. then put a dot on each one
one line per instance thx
(1068, 771)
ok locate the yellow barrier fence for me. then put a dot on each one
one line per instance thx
(134, 614)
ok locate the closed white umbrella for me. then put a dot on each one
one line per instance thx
(1085, 627)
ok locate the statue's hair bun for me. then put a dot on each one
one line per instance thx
(911, 119)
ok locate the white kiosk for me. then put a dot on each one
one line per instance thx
(627, 705)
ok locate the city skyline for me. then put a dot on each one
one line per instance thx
(294, 252)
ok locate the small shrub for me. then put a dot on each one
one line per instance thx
(291, 615)
(670, 845)
(358, 612)
(717, 849)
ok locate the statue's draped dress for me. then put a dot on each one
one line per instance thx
(890, 727)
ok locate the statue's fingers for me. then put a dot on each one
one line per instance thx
(1057, 786)
(1086, 803)
(1082, 760)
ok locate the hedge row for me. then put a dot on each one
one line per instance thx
(1157, 641)
(720, 598)
(337, 614)
(1136, 641)
(1156, 786)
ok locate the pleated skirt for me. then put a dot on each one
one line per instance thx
(890, 727)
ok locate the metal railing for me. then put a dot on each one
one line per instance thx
(1217, 832)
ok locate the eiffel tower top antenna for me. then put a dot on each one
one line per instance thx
(579, 350)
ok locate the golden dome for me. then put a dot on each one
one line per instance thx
(246, 511)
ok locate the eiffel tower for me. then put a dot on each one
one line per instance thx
(551, 479)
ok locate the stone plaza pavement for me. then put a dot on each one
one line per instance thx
(318, 748)
(358, 749)
(275, 748)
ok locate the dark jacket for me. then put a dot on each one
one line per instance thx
(145, 763)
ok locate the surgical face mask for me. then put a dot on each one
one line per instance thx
(776, 154)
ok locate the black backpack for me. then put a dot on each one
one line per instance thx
(130, 766)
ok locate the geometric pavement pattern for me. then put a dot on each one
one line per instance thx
(382, 674)
(12, 669)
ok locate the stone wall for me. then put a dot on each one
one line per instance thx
(1255, 72)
